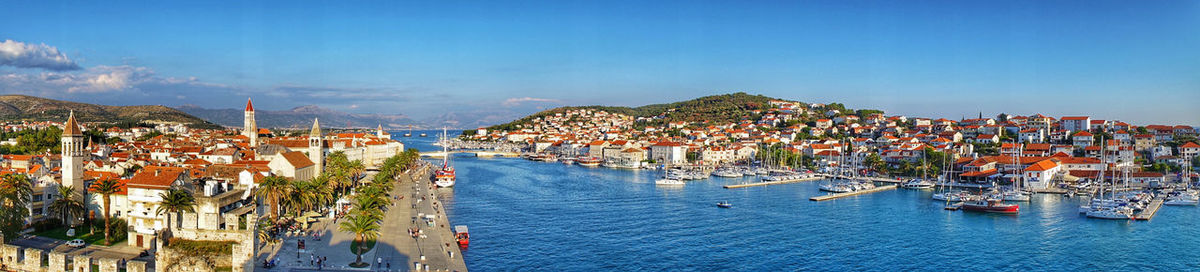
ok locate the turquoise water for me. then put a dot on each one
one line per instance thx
(528, 215)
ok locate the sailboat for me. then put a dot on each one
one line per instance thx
(923, 182)
(445, 177)
(1109, 207)
(944, 192)
(1187, 197)
(409, 134)
(1015, 193)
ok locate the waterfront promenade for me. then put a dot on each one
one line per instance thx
(395, 249)
(434, 248)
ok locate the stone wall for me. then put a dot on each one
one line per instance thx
(241, 259)
(15, 258)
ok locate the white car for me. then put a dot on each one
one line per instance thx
(76, 243)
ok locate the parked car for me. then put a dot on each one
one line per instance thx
(76, 243)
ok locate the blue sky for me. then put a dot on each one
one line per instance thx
(500, 60)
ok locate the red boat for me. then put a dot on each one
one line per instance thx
(460, 234)
(991, 206)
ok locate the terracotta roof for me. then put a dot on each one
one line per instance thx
(155, 177)
(72, 127)
(297, 159)
(1042, 165)
(1190, 145)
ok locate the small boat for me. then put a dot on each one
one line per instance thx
(668, 182)
(919, 184)
(1115, 213)
(589, 161)
(724, 204)
(1182, 200)
(727, 174)
(422, 134)
(990, 206)
(462, 236)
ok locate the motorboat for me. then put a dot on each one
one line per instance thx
(1015, 196)
(724, 204)
(727, 173)
(589, 161)
(949, 196)
(462, 236)
(1182, 199)
(990, 206)
(919, 184)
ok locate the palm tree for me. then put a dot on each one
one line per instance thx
(364, 228)
(175, 201)
(355, 169)
(106, 188)
(274, 189)
(66, 206)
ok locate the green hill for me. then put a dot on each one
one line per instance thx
(23, 107)
(717, 108)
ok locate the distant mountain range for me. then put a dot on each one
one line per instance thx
(302, 117)
(23, 107)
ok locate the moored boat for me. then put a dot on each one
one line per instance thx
(445, 177)
(990, 206)
(462, 236)
(588, 161)
(669, 182)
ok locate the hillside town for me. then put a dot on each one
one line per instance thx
(201, 184)
(1044, 151)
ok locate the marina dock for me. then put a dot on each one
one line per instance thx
(1150, 210)
(765, 183)
(863, 192)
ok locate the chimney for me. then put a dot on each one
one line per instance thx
(157, 171)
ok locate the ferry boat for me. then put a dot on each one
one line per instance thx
(990, 206)
(462, 236)
(445, 177)
(589, 161)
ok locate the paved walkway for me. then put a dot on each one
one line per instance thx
(436, 244)
(395, 249)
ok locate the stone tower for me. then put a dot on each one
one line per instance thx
(316, 151)
(379, 132)
(250, 128)
(73, 153)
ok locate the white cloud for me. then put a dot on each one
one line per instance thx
(511, 102)
(23, 55)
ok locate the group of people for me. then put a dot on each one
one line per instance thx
(317, 261)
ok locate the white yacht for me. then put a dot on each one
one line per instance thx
(669, 182)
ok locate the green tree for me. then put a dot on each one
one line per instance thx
(67, 207)
(175, 201)
(15, 194)
(364, 228)
(274, 189)
(106, 188)
(875, 163)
